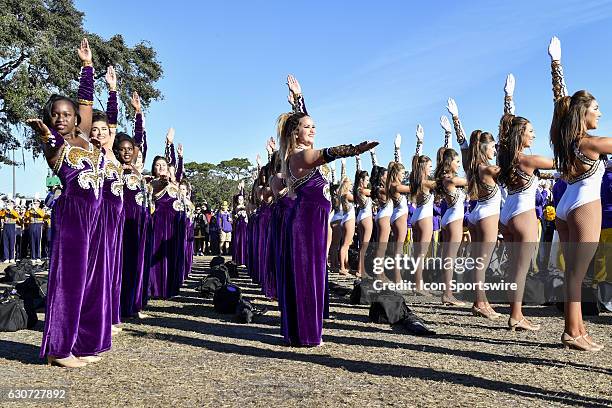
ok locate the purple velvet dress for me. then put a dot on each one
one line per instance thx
(254, 254)
(303, 298)
(167, 258)
(284, 212)
(189, 237)
(263, 225)
(107, 242)
(76, 319)
(240, 238)
(135, 196)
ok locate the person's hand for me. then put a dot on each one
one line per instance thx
(269, 148)
(111, 78)
(509, 87)
(272, 143)
(445, 124)
(135, 101)
(170, 136)
(241, 184)
(258, 160)
(365, 146)
(179, 150)
(452, 108)
(294, 85)
(398, 141)
(42, 130)
(84, 51)
(554, 49)
(420, 133)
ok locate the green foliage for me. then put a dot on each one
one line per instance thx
(215, 183)
(38, 42)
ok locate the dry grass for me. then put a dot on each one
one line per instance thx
(187, 355)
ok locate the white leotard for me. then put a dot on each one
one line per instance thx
(399, 208)
(348, 215)
(366, 211)
(385, 211)
(455, 208)
(488, 205)
(520, 199)
(423, 210)
(582, 189)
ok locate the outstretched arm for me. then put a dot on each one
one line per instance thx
(307, 159)
(374, 158)
(139, 133)
(556, 69)
(52, 141)
(86, 88)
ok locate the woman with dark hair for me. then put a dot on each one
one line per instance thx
(166, 266)
(303, 285)
(421, 188)
(580, 159)
(450, 187)
(362, 192)
(335, 222)
(263, 222)
(107, 241)
(74, 329)
(136, 194)
(483, 219)
(518, 216)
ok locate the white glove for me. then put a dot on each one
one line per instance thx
(452, 108)
(398, 140)
(509, 87)
(554, 49)
(444, 122)
(420, 133)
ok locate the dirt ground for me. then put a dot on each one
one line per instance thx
(185, 354)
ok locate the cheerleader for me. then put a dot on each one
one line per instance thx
(362, 192)
(580, 159)
(347, 223)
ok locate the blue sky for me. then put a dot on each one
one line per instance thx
(368, 71)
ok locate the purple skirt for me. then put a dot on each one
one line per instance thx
(240, 241)
(134, 245)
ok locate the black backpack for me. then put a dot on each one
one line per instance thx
(13, 315)
(33, 292)
(226, 299)
(15, 273)
(208, 286)
(220, 272)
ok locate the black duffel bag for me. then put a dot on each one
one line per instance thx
(13, 315)
(35, 289)
(217, 260)
(227, 298)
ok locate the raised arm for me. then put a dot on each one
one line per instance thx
(374, 158)
(420, 134)
(446, 126)
(170, 154)
(139, 133)
(459, 132)
(342, 169)
(112, 110)
(358, 163)
(509, 93)
(397, 155)
(295, 95)
(556, 69)
(86, 88)
(180, 168)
